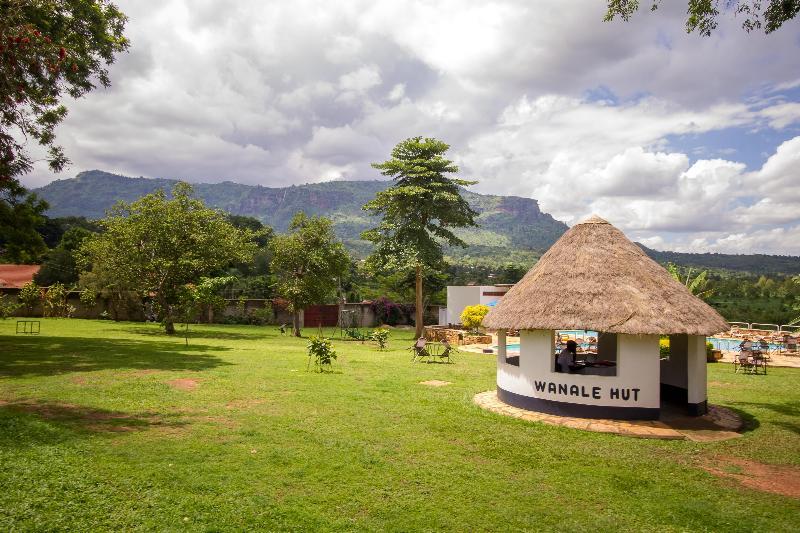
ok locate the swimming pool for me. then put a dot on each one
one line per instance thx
(729, 345)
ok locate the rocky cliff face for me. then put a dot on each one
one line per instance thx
(505, 221)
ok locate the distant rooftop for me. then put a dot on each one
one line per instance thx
(15, 276)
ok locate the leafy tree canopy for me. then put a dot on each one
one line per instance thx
(697, 285)
(60, 264)
(307, 263)
(157, 246)
(49, 49)
(21, 214)
(703, 14)
(418, 211)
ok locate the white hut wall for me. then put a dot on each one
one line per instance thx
(683, 374)
(697, 375)
(632, 393)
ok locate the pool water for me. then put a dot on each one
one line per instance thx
(732, 344)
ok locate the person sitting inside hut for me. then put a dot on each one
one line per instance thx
(567, 357)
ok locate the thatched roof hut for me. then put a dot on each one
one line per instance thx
(595, 278)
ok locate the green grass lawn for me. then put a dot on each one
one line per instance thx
(96, 433)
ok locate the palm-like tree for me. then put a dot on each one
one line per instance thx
(697, 285)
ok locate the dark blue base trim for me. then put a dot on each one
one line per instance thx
(552, 407)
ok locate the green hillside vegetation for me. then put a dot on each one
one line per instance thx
(506, 222)
(512, 229)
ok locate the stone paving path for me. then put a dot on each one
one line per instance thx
(719, 424)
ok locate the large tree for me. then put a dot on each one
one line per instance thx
(21, 214)
(418, 212)
(703, 14)
(307, 263)
(60, 265)
(157, 246)
(48, 49)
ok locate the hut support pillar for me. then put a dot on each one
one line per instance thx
(697, 379)
(501, 345)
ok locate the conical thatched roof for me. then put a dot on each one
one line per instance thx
(594, 278)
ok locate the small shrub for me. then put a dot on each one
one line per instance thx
(88, 298)
(55, 301)
(386, 311)
(709, 351)
(30, 294)
(7, 307)
(381, 336)
(663, 347)
(472, 316)
(321, 352)
(261, 317)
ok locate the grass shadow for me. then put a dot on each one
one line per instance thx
(194, 334)
(27, 422)
(787, 409)
(790, 409)
(45, 356)
(749, 422)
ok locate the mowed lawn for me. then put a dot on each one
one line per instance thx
(115, 426)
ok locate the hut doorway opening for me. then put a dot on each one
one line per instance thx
(683, 374)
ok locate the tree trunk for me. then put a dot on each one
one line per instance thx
(169, 325)
(419, 309)
(296, 323)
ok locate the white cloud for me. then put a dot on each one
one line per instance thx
(278, 93)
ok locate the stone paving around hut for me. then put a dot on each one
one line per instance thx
(719, 424)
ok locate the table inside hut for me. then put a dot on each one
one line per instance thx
(591, 367)
(587, 363)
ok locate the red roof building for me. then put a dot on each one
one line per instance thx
(16, 276)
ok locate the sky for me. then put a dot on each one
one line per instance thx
(685, 142)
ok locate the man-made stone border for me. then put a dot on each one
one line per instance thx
(719, 424)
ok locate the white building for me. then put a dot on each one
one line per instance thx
(461, 296)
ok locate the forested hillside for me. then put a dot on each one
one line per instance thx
(512, 229)
(506, 222)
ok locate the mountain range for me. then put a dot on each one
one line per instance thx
(511, 228)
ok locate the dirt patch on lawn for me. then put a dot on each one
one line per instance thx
(186, 384)
(435, 383)
(777, 479)
(722, 384)
(244, 404)
(90, 418)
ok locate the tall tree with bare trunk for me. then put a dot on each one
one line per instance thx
(419, 212)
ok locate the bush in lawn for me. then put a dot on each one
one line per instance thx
(321, 351)
(7, 307)
(30, 294)
(55, 301)
(381, 336)
(663, 346)
(386, 311)
(472, 316)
